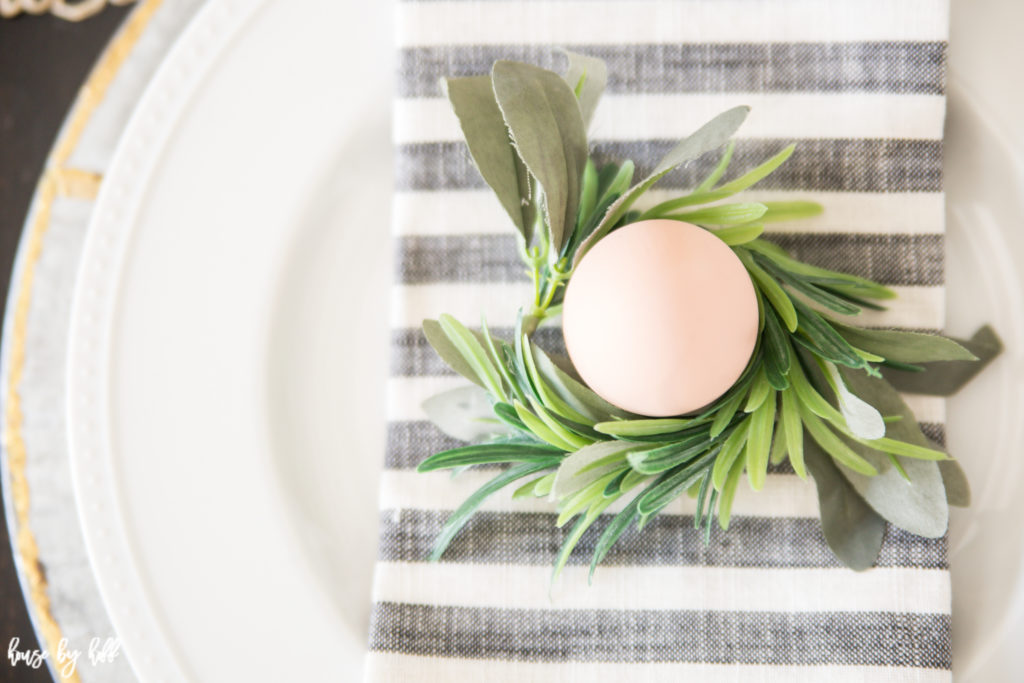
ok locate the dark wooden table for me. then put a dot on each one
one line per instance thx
(43, 61)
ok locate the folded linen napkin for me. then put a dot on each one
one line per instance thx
(858, 85)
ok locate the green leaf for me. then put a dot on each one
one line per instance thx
(693, 199)
(574, 393)
(546, 124)
(777, 357)
(906, 347)
(716, 173)
(464, 413)
(946, 378)
(540, 429)
(548, 396)
(487, 454)
(487, 136)
(833, 445)
(739, 234)
(722, 214)
(757, 174)
(725, 413)
(851, 528)
(868, 288)
(671, 487)
(613, 531)
(448, 351)
(791, 424)
(729, 493)
(594, 75)
(565, 435)
(711, 135)
(822, 339)
(587, 465)
(473, 352)
(759, 391)
(759, 441)
(588, 195)
(651, 427)
(661, 458)
(461, 515)
(584, 523)
(780, 301)
(730, 452)
(791, 211)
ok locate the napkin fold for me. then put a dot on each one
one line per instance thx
(859, 86)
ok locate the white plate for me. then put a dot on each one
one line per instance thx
(228, 354)
(228, 347)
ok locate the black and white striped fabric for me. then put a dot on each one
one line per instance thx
(859, 85)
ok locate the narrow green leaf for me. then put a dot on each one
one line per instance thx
(462, 514)
(833, 445)
(722, 214)
(661, 458)
(947, 377)
(588, 194)
(469, 346)
(791, 424)
(612, 532)
(587, 465)
(547, 395)
(759, 441)
(755, 175)
(448, 351)
(868, 288)
(731, 450)
(819, 336)
(651, 427)
(718, 171)
(584, 523)
(694, 199)
(777, 356)
(488, 453)
(727, 410)
(550, 139)
(540, 429)
(528, 490)
(759, 391)
(779, 450)
(664, 492)
(906, 347)
(739, 234)
(791, 211)
(780, 301)
(729, 493)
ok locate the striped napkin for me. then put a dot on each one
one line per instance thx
(858, 85)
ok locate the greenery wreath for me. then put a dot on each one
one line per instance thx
(818, 395)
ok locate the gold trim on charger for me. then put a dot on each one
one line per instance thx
(57, 181)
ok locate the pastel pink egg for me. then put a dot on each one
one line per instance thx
(660, 318)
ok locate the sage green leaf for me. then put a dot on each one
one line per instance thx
(546, 124)
(790, 211)
(458, 519)
(722, 214)
(652, 460)
(583, 499)
(464, 413)
(594, 74)
(851, 528)
(802, 285)
(918, 506)
(651, 427)
(693, 199)
(487, 136)
(759, 391)
(779, 256)
(757, 174)
(588, 195)
(759, 441)
(905, 347)
(739, 234)
(862, 419)
(613, 531)
(488, 453)
(946, 378)
(556, 427)
(587, 465)
(958, 490)
(548, 396)
(711, 135)
(921, 506)
(448, 352)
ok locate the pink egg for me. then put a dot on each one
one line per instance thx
(660, 318)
